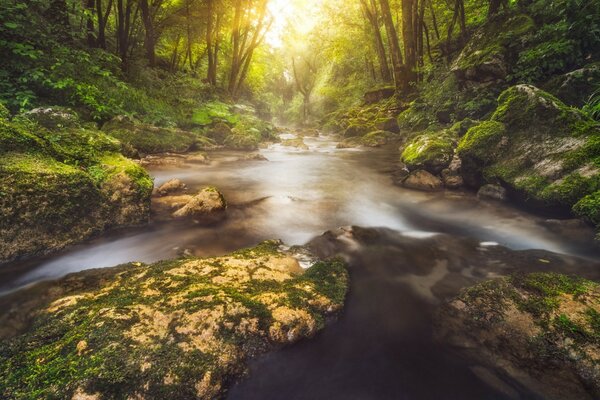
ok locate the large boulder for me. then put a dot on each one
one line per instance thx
(62, 186)
(432, 151)
(54, 117)
(576, 87)
(208, 206)
(423, 180)
(171, 187)
(541, 329)
(544, 152)
(484, 58)
(178, 329)
(149, 139)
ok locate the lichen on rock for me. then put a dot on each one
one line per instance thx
(177, 329)
(541, 329)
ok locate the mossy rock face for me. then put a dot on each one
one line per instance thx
(177, 329)
(545, 152)
(61, 186)
(54, 117)
(576, 87)
(431, 151)
(149, 139)
(484, 58)
(524, 324)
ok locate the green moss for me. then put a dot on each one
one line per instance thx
(493, 39)
(589, 208)
(481, 141)
(213, 112)
(204, 318)
(432, 151)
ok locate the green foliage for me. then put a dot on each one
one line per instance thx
(213, 112)
(589, 208)
(592, 107)
(481, 140)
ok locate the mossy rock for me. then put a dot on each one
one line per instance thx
(431, 151)
(546, 153)
(214, 112)
(484, 58)
(54, 117)
(149, 139)
(58, 187)
(219, 132)
(522, 324)
(377, 138)
(576, 87)
(177, 329)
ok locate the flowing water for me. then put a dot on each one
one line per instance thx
(422, 249)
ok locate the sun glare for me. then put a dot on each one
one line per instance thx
(299, 15)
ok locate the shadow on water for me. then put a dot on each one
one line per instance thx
(382, 347)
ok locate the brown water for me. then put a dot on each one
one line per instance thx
(425, 248)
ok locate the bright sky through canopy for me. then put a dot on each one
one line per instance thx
(301, 15)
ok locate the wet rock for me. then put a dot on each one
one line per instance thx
(431, 151)
(571, 228)
(492, 192)
(255, 157)
(529, 145)
(208, 206)
(297, 143)
(539, 329)
(54, 117)
(423, 180)
(171, 187)
(400, 173)
(198, 159)
(307, 132)
(186, 327)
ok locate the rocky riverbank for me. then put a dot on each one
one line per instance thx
(178, 329)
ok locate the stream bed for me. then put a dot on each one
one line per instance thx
(414, 251)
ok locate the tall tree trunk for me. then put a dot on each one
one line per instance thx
(372, 13)
(102, 21)
(400, 77)
(408, 36)
(90, 31)
(213, 27)
(149, 36)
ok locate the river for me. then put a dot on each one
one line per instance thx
(421, 249)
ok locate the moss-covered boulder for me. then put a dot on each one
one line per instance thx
(180, 329)
(431, 151)
(542, 329)
(546, 153)
(54, 117)
(297, 143)
(58, 187)
(576, 87)
(150, 139)
(484, 58)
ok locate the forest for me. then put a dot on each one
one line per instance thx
(287, 199)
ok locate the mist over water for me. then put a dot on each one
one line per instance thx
(295, 196)
(421, 249)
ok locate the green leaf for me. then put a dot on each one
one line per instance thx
(11, 25)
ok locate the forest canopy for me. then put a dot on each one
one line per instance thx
(299, 59)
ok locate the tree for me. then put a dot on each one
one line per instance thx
(371, 13)
(251, 22)
(394, 45)
(213, 40)
(305, 70)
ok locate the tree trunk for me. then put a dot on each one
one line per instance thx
(393, 43)
(149, 36)
(372, 14)
(90, 31)
(408, 36)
